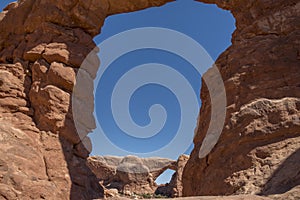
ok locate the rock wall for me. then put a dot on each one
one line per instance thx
(258, 151)
(42, 45)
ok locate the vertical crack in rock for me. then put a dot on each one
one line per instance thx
(46, 169)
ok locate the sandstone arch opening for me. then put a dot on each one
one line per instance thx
(41, 55)
(165, 177)
(141, 19)
(219, 35)
(166, 182)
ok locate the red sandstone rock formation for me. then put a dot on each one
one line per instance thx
(42, 45)
(258, 151)
(130, 174)
(175, 187)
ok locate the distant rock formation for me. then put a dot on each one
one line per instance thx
(130, 174)
(174, 187)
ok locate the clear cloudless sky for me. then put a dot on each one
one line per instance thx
(207, 24)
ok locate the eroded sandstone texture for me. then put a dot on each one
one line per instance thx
(42, 45)
(130, 174)
(258, 151)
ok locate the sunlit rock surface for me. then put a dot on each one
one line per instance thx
(258, 151)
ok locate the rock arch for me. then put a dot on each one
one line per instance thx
(42, 44)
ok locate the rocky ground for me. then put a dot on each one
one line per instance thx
(240, 197)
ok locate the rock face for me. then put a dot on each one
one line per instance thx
(258, 151)
(130, 174)
(42, 45)
(175, 187)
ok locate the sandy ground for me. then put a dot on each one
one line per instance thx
(239, 197)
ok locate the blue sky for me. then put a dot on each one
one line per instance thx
(4, 3)
(210, 26)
